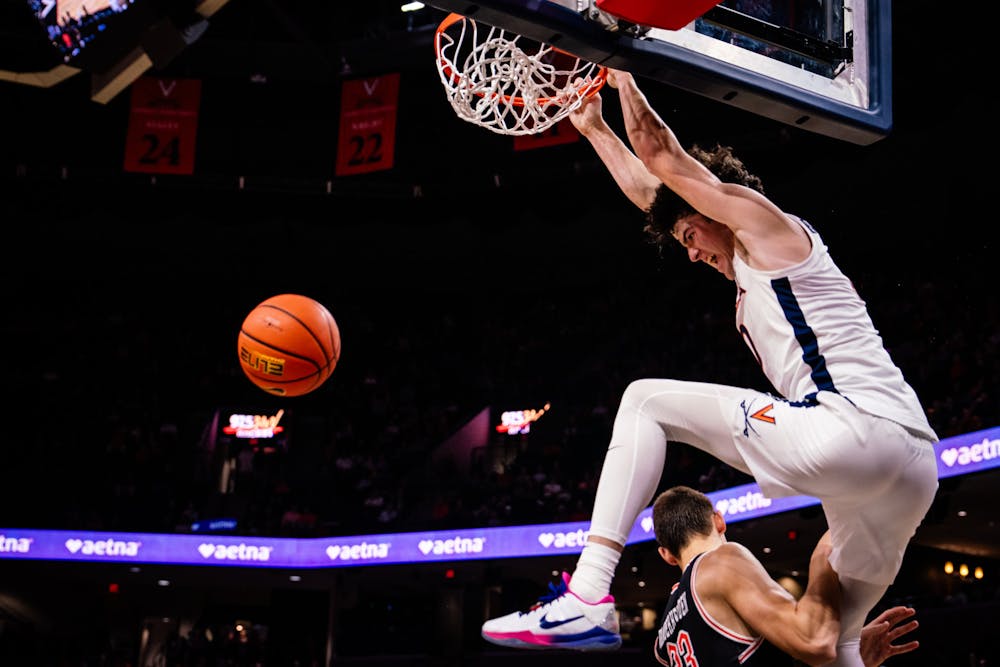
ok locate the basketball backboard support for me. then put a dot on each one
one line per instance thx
(824, 66)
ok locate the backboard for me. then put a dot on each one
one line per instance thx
(820, 65)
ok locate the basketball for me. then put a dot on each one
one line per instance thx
(289, 345)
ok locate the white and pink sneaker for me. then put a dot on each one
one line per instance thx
(559, 620)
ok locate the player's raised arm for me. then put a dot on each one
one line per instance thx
(738, 207)
(631, 175)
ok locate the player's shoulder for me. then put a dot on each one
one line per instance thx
(726, 563)
(728, 552)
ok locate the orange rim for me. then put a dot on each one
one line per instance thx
(586, 91)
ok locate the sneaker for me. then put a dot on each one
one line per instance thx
(559, 620)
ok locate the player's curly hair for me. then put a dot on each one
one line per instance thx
(667, 207)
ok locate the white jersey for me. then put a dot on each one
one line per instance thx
(811, 331)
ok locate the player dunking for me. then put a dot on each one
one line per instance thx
(847, 428)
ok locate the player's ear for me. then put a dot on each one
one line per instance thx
(667, 556)
(719, 522)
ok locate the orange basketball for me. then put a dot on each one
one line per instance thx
(289, 345)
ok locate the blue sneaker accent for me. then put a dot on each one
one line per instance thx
(546, 623)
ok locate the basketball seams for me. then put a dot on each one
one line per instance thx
(308, 329)
(333, 331)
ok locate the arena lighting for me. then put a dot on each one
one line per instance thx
(971, 452)
(949, 567)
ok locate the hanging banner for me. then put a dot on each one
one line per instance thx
(562, 132)
(162, 126)
(367, 135)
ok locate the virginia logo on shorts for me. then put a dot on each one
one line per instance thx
(761, 414)
(764, 414)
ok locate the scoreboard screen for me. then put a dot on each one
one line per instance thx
(94, 34)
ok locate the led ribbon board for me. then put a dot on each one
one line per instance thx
(964, 454)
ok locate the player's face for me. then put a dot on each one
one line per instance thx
(706, 241)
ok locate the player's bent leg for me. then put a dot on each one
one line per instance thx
(582, 616)
(651, 413)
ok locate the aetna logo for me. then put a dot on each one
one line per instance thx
(235, 551)
(361, 551)
(751, 500)
(108, 547)
(456, 545)
(977, 453)
(563, 540)
(18, 545)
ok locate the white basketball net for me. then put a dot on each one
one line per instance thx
(491, 81)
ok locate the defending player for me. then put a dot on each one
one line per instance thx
(726, 609)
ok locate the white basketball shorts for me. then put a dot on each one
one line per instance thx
(875, 479)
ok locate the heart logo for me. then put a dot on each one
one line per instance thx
(949, 456)
(722, 506)
(647, 523)
(425, 546)
(546, 539)
(332, 552)
(206, 550)
(73, 545)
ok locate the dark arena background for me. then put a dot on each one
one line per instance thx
(494, 298)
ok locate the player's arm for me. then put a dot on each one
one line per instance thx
(627, 170)
(657, 147)
(806, 629)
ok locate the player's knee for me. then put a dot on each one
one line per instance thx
(639, 391)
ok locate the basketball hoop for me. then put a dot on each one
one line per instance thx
(506, 83)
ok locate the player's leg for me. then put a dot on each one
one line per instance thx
(651, 413)
(876, 481)
(870, 530)
(872, 523)
(858, 599)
